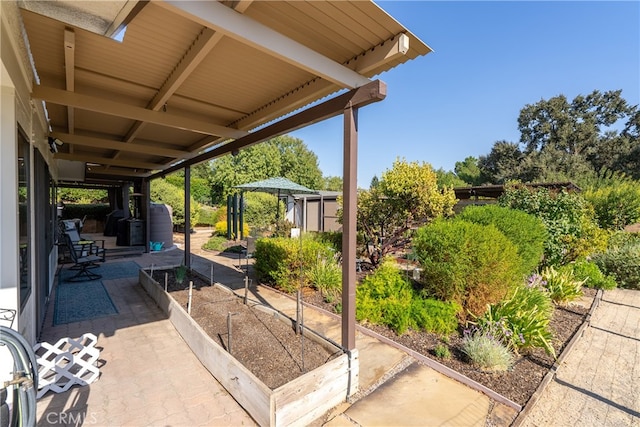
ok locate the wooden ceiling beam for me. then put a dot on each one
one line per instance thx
(382, 54)
(104, 161)
(104, 106)
(110, 144)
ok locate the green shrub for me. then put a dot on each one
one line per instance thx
(622, 260)
(386, 297)
(283, 228)
(590, 274)
(326, 276)
(433, 315)
(442, 351)
(616, 205)
(215, 243)
(279, 260)
(82, 196)
(221, 229)
(208, 215)
(470, 264)
(92, 211)
(526, 231)
(487, 353)
(333, 238)
(568, 217)
(522, 320)
(561, 284)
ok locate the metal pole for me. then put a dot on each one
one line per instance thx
(190, 295)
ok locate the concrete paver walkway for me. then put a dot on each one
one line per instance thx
(598, 384)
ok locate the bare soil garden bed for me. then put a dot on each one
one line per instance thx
(518, 384)
(262, 342)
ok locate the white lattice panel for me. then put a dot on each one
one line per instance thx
(69, 361)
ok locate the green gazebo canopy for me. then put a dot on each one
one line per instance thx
(276, 186)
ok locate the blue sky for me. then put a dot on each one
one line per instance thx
(490, 59)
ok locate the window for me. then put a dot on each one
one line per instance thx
(24, 207)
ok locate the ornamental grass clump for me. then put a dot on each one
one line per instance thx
(326, 276)
(561, 284)
(522, 320)
(486, 352)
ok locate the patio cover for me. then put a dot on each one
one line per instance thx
(187, 79)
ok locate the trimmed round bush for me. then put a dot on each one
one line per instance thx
(526, 231)
(470, 264)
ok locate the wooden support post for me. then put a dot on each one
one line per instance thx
(187, 217)
(350, 192)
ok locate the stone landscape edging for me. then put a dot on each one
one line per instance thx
(298, 402)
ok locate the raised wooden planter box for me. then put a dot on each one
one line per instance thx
(299, 402)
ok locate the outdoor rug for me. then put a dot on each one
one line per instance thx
(78, 301)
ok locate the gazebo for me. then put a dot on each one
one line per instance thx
(277, 186)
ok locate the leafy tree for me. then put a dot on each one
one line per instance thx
(164, 192)
(299, 164)
(563, 140)
(502, 163)
(374, 182)
(332, 183)
(449, 179)
(258, 162)
(469, 171)
(407, 196)
(200, 189)
(281, 156)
